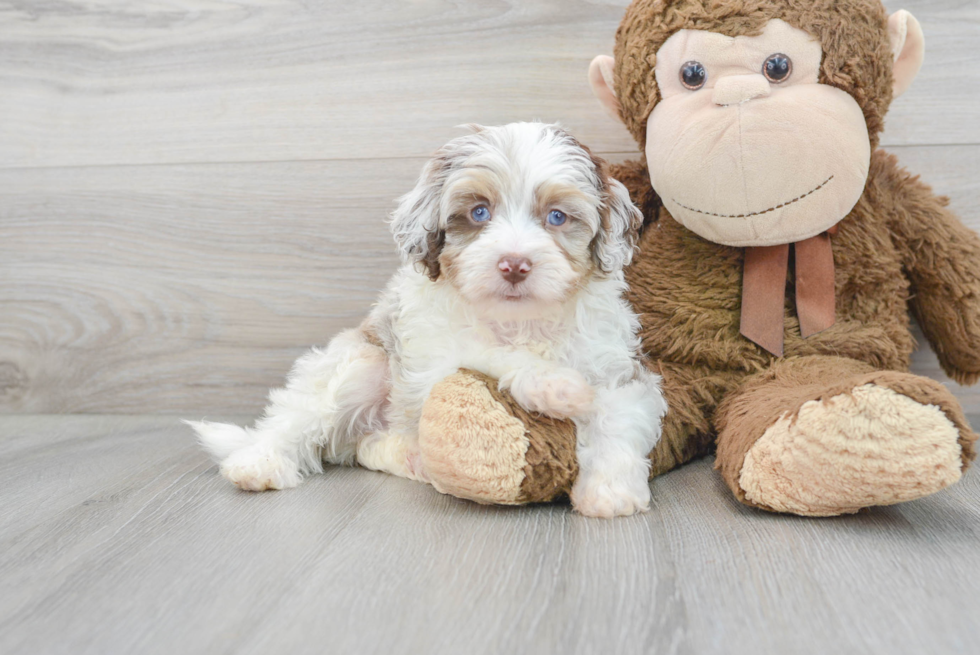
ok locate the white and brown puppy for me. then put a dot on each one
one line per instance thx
(513, 242)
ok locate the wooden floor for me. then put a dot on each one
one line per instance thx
(116, 536)
(192, 192)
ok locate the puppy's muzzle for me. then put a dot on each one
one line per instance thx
(514, 268)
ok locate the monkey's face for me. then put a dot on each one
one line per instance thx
(746, 147)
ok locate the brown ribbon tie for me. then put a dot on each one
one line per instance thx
(764, 290)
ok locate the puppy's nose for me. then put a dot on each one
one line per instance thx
(514, 268)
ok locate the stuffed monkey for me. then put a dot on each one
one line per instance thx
(781, 257)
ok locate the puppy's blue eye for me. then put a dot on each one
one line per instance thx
(480, 214)
(556, 217)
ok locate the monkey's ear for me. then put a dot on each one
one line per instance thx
(908, 49)
(601, 78)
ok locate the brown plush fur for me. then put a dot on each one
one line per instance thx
(898, 251)
(782, 390)
(939, 256)
(551, 465)
(692, 394)
(857, 56)
(468, 448)
(687, 292)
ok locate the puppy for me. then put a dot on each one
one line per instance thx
(513, 244)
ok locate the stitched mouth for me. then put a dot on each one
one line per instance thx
(764, 211)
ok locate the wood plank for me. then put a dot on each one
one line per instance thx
(191, 289)
(272, 80)
(119, 278)
(920, 116)
(118, 536)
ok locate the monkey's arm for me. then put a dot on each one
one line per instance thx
(941, 257)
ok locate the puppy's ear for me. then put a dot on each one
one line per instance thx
(619, 228)
(415, 223)
(620, 221)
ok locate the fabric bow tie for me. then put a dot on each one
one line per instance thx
(764, 290)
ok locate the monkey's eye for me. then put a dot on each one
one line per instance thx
(777, 68)
(480, 214)
(556, 218)
(693, 75)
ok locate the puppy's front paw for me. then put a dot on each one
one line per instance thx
(556, 392)
(258, 468)
(611, 491)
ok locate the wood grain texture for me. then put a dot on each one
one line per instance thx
(132, 285)
(138, 82)
(118, 279)
(192, 192)
(117, 536)
(191, 289)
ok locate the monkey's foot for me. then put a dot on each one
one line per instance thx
(870, 446)
(478, 443)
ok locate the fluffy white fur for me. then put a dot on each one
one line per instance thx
(562, 339)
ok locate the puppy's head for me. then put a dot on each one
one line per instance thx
(516, 218)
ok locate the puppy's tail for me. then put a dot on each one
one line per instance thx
(220, 439)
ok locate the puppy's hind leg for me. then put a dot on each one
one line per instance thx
(332, 396)
(392, 452)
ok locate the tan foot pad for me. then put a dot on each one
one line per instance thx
(869, 447)
(477, 443)
(471, 446)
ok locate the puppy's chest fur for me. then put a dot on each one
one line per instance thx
(424, 324)
(467, 332)
(542, 338)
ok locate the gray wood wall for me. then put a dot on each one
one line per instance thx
(193, 192)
